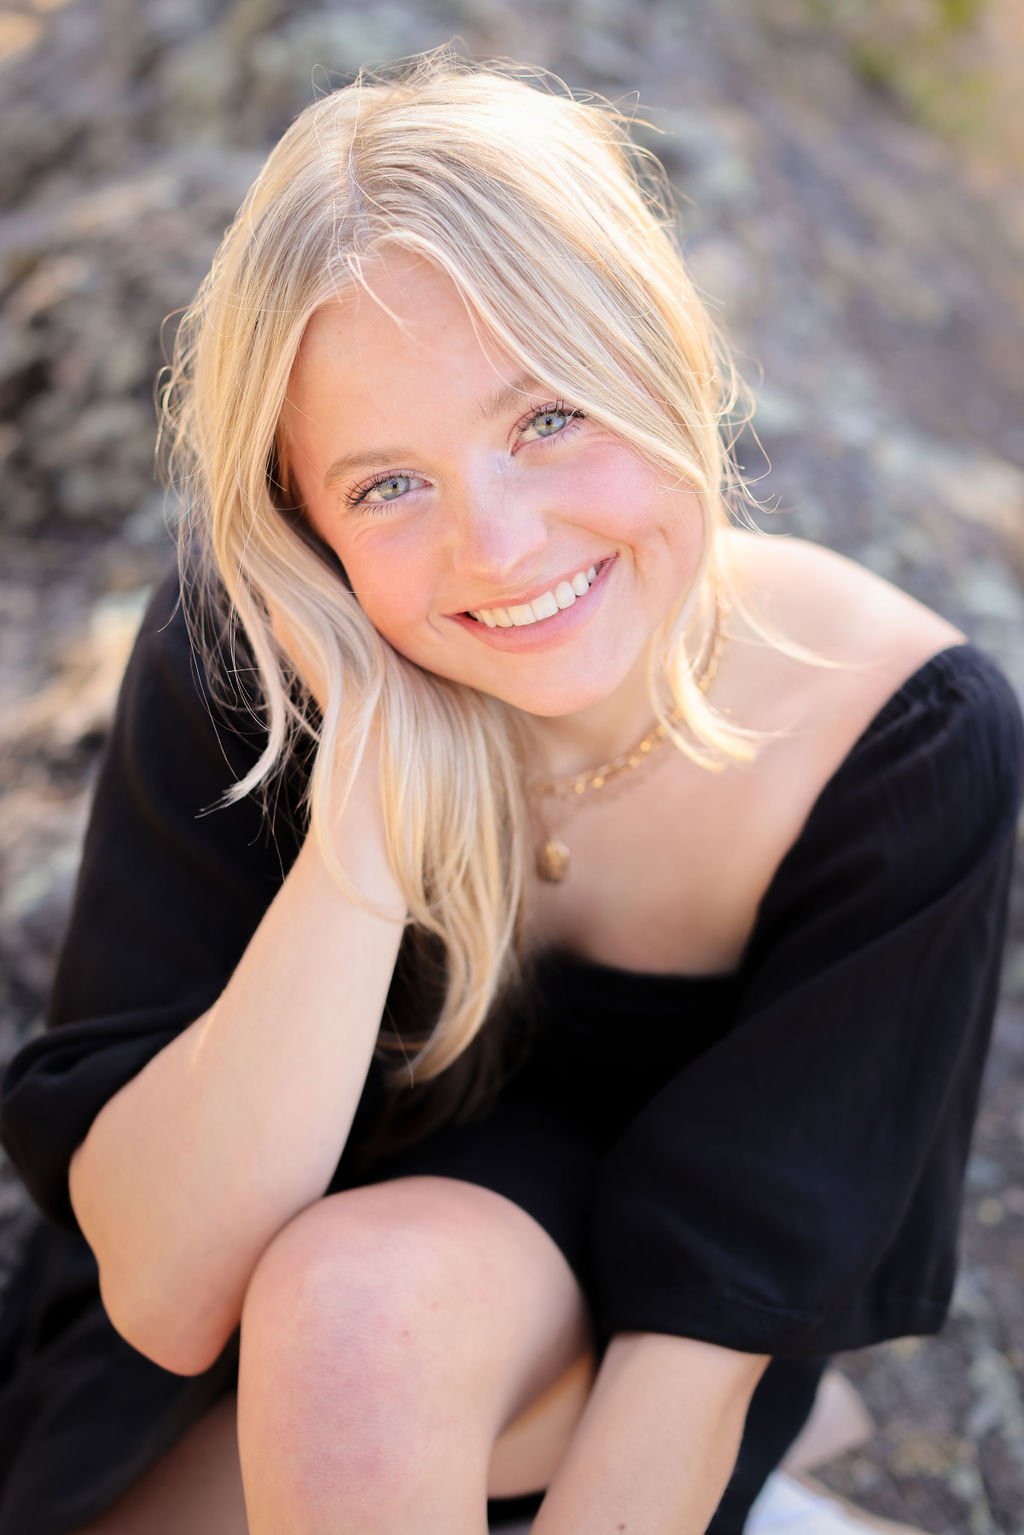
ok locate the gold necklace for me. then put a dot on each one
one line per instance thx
(552, 854)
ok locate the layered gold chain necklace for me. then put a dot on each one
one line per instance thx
(552, 856)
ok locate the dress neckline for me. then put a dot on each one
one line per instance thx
(556, 960)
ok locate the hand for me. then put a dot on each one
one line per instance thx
(360, 836)
(366, 798)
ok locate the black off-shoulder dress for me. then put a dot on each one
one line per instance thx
(771, 1159)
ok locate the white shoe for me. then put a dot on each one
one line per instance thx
(797, 1505)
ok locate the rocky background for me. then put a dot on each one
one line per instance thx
(853, 210)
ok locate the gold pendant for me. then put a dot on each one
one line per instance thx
(553, 861)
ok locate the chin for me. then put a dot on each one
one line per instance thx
(555, 709)
(552, 706)
(534, 699)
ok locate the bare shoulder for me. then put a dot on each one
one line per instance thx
(692, 913)
(835, 608)
(832, 605)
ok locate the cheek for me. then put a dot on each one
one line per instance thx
(389, 587)
(625, 502)
(607, 473)
(618, 492)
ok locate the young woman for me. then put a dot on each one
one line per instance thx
(537, 938)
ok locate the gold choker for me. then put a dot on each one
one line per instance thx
(552, 854)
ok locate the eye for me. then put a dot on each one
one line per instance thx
(391, 486)
(553, 421)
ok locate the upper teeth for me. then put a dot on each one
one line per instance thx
(544, 606)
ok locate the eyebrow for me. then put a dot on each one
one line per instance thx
(383, 458)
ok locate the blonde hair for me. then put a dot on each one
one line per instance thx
(559, 231)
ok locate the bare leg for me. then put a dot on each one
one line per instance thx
(196, 1487)
(390, 1335)
(839, 1422)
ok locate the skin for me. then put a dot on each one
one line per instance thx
(482, 511)
(476, 512)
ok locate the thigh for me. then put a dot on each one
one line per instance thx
(196, 1487)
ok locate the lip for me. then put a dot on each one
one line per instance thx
(538, 591)
(549, 630)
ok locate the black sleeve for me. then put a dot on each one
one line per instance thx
(169, 892)
(796, 1189)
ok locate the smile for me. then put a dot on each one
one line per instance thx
(548, 619)
(564, 595)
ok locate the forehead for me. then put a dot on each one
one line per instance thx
(404, 323)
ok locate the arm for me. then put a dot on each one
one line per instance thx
(657, 1441)
(236, 1125)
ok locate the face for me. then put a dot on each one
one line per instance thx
(450, 486)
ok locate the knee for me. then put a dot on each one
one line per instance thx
(361, 1289)
(353, 1363)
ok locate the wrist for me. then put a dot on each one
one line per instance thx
(352, 847)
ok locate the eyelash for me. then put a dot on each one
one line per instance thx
(356, 497)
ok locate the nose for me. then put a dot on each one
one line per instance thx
(499, 531)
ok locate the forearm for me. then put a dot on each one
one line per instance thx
(238, 1123)
(657, 1442)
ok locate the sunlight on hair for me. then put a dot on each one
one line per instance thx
(560, 233)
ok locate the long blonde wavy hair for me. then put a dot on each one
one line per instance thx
(560, 233)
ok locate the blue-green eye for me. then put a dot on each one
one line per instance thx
(552, 421)
(395, 485)
(384, 488)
